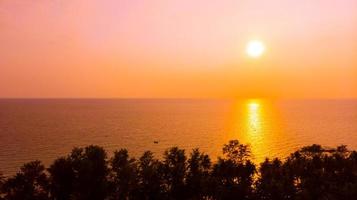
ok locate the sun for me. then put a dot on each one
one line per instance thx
(255, 48)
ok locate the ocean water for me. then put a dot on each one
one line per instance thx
(45, 129)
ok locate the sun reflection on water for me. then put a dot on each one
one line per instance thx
(254, 134)
(250, 126)
(253, 116)
(256, 122)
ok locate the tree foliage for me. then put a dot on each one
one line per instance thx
(313, 172)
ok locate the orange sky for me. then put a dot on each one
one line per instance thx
(177, 48)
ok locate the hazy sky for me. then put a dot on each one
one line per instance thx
(178, 48)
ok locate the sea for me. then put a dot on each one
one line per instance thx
(45, 129)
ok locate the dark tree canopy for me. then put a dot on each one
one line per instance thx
(313, 172)
(30, 183)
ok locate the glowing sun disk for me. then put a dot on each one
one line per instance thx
(255, 48)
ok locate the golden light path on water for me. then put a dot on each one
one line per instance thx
(254, 134)
(256, 123)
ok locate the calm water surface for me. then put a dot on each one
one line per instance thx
(46, 129)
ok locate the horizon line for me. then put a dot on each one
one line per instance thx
(172, 98)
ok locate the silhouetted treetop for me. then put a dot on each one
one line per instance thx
(236, 152)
